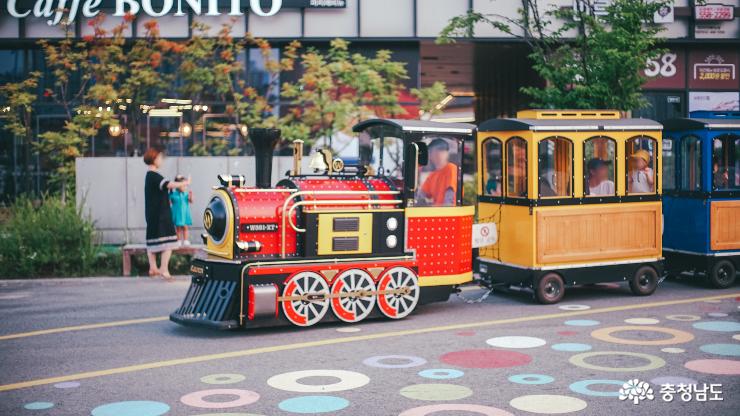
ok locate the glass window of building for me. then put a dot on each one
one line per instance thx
(641, 161)
(555, 168)
(669, 164)
(599, 160)
(516, 168)
(690, 163)
(492, 168)
(726, 162)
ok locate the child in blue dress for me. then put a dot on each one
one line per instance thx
(180, 200)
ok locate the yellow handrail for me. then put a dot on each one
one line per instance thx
(314, 193)
(335, 202)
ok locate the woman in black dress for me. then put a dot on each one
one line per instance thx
(160, 231)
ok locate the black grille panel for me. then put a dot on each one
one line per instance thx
(345, 243)
(346, 224)
(208, 300)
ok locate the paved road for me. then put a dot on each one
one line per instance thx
(103, 347)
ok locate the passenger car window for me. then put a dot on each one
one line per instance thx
(440, 179)
(492, 168)
(599, 160)
(690, 163)
(516, 168)
(641, 165)
(555, 168)
(669, 164)
(726, 162)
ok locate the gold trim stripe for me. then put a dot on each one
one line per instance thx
(450, 279)
(435, 212)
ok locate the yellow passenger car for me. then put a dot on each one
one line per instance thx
(576, 199)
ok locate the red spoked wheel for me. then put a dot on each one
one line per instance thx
(398, 292)
(305, 298)
(353, 295)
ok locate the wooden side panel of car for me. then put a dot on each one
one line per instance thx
(725, 225)
(598, 233)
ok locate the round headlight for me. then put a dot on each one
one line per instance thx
(391, 224)
(391, 241)
(215, 219)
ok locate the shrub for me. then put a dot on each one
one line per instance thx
(47, 238)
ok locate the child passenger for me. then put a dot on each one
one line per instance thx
(641, 176)
(180, 199)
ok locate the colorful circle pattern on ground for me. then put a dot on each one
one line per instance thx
(486, 358)
(198, 398)
(677, 337)
(718, 326)
(38, 406)
(683, 318)
(732, 350)
(718, 367)
(515, 342)
(531, 379)
(313, 404)
(573, 307)
(132, 408)
(348, 380)
(571, 347)
(378, 361)
(441, 373)
(642, 321)
(582, 322)
(654, 362)
(223, 379)
(584, 387)
(548, 404)
(454, 407)
(436, 392)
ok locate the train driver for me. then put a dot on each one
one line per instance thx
(440, 187)
(598, 178)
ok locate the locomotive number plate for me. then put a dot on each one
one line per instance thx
(259, 228)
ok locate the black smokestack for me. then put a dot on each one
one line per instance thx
(264, 141)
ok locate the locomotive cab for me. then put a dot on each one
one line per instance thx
(345, 239)
(702, 185)
(576, 197)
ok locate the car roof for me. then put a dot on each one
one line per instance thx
(702, 123)
(420, 126)
(518, 124)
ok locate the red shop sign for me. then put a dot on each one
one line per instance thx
(714, 69)
(667, 71)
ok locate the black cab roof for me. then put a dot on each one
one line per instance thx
(417, 126)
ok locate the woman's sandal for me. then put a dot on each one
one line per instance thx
(168, 277)
(153, 273)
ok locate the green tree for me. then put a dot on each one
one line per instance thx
(85, 77)
(431, 98)
(598, 67)
(339, 88)
(16, 100)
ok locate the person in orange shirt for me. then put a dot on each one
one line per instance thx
(440, 187)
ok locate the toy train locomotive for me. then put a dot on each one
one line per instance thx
(564, 198)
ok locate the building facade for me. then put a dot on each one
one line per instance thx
(485, 74)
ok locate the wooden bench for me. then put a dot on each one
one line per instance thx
(130, 250)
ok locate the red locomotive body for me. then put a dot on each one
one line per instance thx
(358, 240)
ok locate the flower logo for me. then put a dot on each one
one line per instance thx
(636, 391)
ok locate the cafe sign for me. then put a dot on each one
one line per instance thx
(714, 69)
(53, 9)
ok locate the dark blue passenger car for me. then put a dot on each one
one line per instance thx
(701, 196)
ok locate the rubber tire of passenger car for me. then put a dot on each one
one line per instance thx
(726, 268)
(548, 283)
(641, 287)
